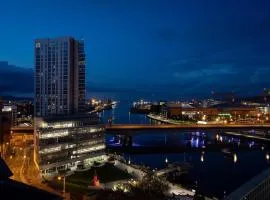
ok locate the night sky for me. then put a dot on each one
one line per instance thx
(192, 46)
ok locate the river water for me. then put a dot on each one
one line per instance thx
(214, 171)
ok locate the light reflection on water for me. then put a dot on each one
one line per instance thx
(231, 163)
(224, 168)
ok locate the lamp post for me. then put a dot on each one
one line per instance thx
(64, 184)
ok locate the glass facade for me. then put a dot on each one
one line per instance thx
(59, 76)
(70, 142)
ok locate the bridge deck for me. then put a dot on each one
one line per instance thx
(193, 126)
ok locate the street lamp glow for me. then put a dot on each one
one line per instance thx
(166, 160)
(59, 178)
(267, 156)
(204, 117)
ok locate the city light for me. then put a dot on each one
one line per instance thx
(204, 117)
(234, 158)
(267, 156)
(202, 158)
(62, 133)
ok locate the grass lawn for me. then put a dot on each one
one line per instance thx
(78, 182)
(106, 173)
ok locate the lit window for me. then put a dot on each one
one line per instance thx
(37, 45)
(54, 134)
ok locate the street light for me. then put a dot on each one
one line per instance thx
(267, 156)
(64, 184)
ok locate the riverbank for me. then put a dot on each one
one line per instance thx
(139, 172)
(167, 121)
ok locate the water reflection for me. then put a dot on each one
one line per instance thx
(202, 158)
(234, 158)
(189, 140)
(267, 156)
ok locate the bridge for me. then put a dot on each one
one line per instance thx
(119, 127)
(128, 130)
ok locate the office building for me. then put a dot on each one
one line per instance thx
(59, 76)
(69, 143)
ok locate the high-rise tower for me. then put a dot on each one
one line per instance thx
(59, 76)
(65, 137)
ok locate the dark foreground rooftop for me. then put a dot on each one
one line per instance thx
(11, 189)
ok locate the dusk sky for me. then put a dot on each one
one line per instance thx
(192, 46)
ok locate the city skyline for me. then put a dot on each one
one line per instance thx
(135, 99)
(193, 47)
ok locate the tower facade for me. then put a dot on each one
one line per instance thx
(59, 76)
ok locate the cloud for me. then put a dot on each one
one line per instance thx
(260, 75)
(15, 80)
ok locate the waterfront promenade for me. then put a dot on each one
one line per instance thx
(139, 173)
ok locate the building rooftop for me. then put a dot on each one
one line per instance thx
(69, 117)
(231, 105)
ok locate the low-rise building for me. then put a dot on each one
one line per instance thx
(68, 142)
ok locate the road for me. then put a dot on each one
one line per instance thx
(24, 170)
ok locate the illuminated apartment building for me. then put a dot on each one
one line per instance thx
(65, 138)
(59, 76)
